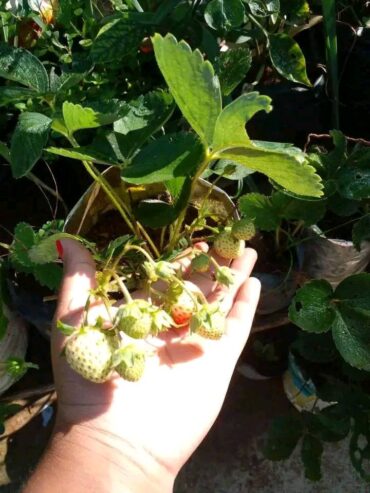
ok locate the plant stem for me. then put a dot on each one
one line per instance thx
(123, 288)
(329, 14)
(253, 19)
(141, 250)
(116, 200)
(139, 231)
(181, 218)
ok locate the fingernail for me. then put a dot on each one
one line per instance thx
(59, 246)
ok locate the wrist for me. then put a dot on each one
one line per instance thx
(83, 458)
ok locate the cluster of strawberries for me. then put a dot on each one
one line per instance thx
(95, 352)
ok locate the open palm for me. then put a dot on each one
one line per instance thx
(170, 410)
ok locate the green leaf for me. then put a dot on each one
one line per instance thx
(21, 66)
(288, 59)
(262, 8)
(169, 157)
(283, 436)
(353, 291)
(230, 125)
(142, 118)
(295, 9)
(341, 206)
(24, 239)
(311, 309)
(351, 327)
(14, 94)
(311, 453)
(4, 152)
(154, 213)
(77, 117)
(88, 153)
(259, 208)
(232, 67)
(48, 275)
(292, 209)
(119, 38)
(192, 83)
(334, 159)
(316, 348)
(230, 170)
(224, 15)
(28, 141)
(280, 163)
(64, 82)
(361, 232)
(351, 336)
(44, 250)
(354, 182)
(334, 422)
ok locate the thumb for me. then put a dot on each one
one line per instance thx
(78, 280)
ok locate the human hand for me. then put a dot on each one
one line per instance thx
(146, 431)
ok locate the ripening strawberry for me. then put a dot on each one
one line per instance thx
(182, 309)
(89, 353)
(180, 304)
(228, 247)
(243, 229)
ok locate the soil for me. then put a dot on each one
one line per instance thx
(110, 225)
(270, 259)
(338, 227)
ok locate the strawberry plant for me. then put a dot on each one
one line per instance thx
(333, 353)
(115, 134)
(154, 100)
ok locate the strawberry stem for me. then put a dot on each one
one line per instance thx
(141, 250)
(125, 291)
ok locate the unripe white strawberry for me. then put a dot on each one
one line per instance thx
(243, 229)
(131, 363)
(209, 322)
(227, 246)
(135, 318)
(89, 352)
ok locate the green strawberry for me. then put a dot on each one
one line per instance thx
(89, 352)
(201, 263)
(130, 363)
(227, 246)
(243, 229)
(135, 318)
(159, 270)
(209, 322)
(225, 276)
